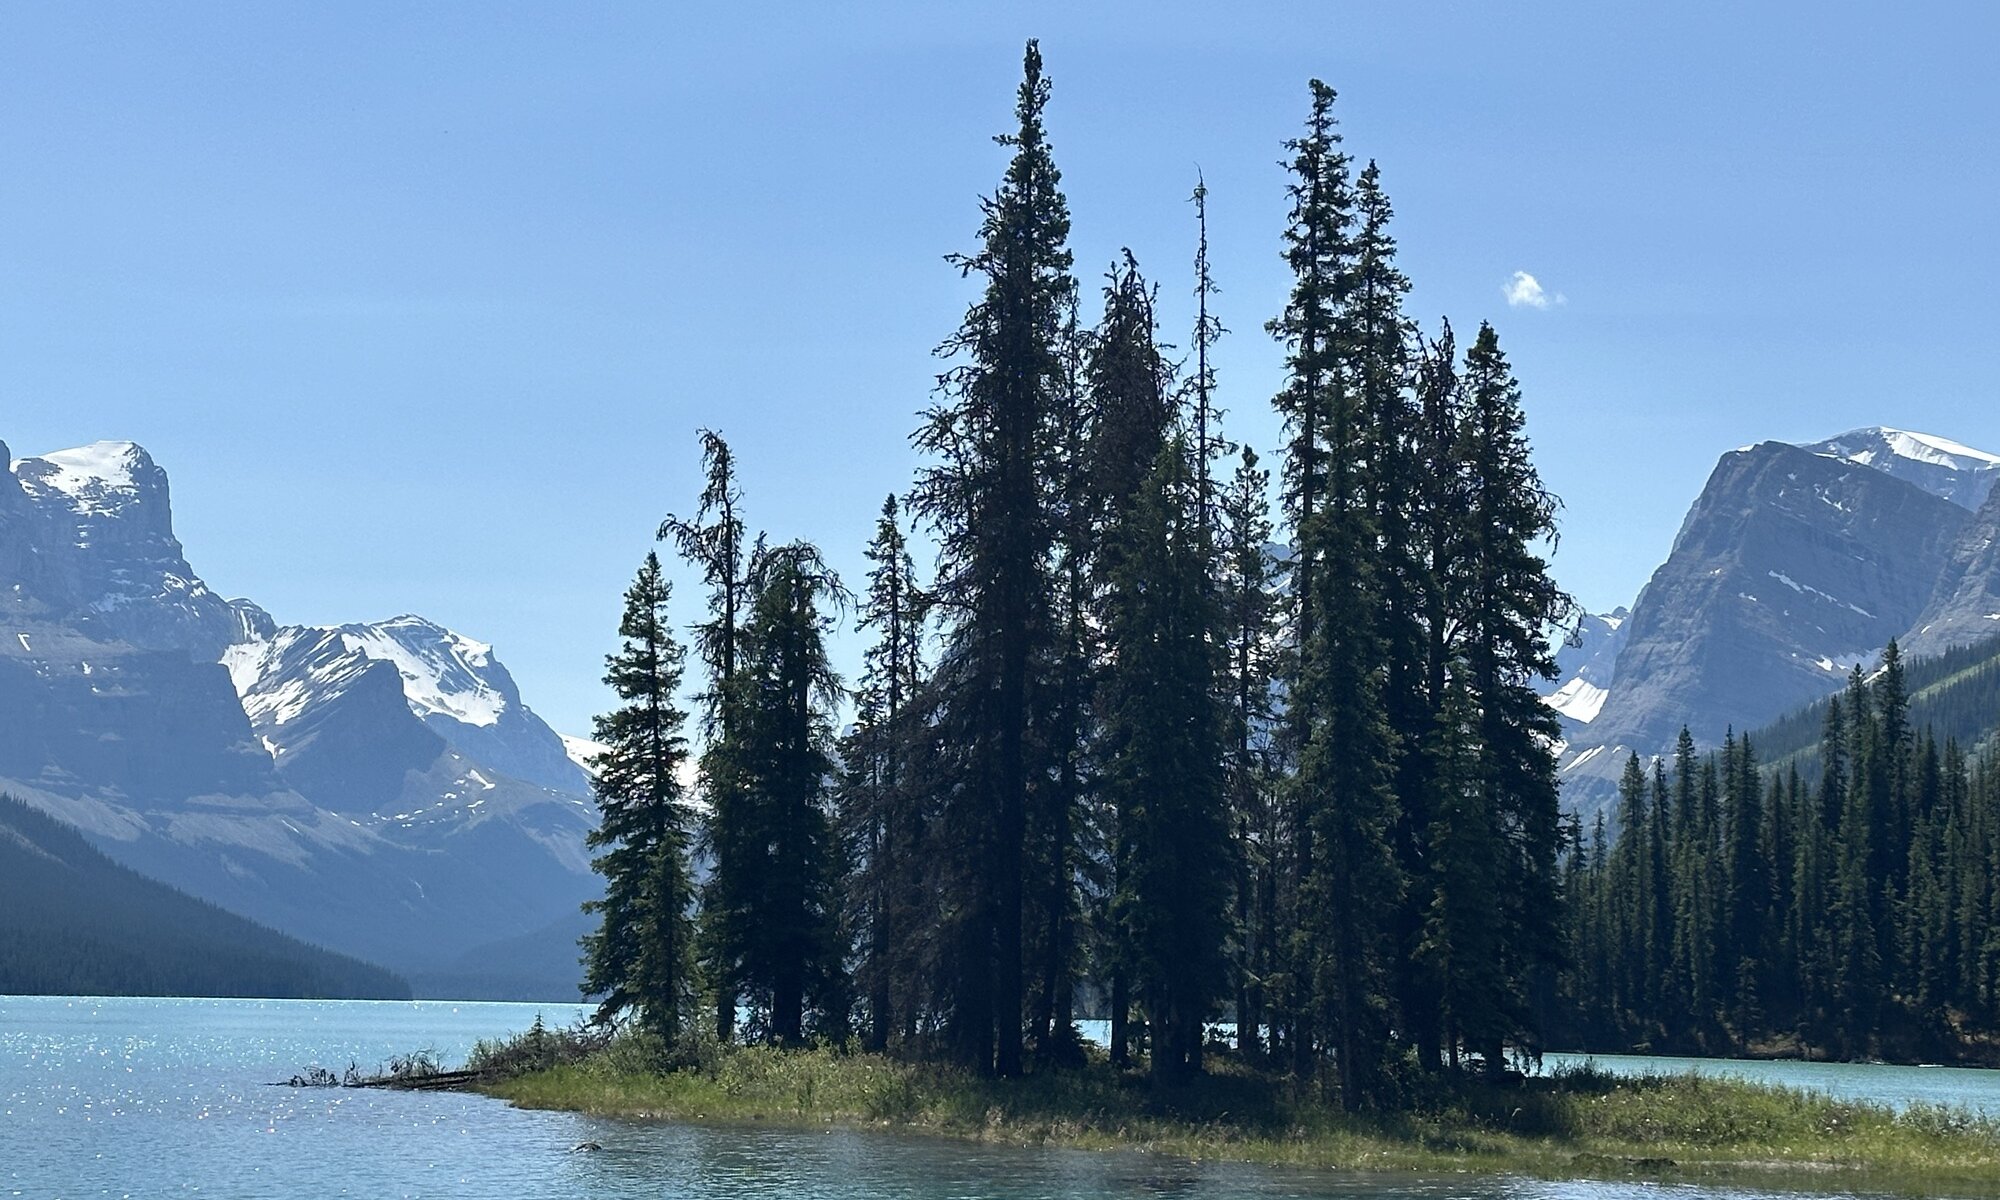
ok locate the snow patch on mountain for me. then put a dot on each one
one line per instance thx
(1579, 700)
(443, 672)
(1586, 664)
(581, 750)
(451, 684)
(1806, 589)
(1929, 448)
(280, 679)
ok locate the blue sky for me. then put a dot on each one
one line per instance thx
(420, 305)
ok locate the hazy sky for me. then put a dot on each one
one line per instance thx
(420, 305)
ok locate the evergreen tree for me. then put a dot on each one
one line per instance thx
(1349, 884)
(1629, 879)
(639, 959)
(1513, 603)
(770, 902)
(880, 814)
(1247, 605)
(1131, 414)
(1746, 898)
(1163, 733)
(1428, 606)
(1857, 948)
(1661, 991)
(713, 542)
(993, 447)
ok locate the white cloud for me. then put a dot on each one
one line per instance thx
(1525, 291)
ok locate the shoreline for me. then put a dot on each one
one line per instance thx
(1579, 1125)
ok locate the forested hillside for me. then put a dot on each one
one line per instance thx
(72, 922)
(1954, 696)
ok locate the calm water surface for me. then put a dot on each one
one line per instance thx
(1897, 1087)
(149, 1098)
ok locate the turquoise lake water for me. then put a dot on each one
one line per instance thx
(170, 1098)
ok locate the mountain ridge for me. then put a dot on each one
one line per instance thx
(380, 787)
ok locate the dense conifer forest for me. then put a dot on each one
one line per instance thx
(79, 924)
(1112, 755)
(1843, 902)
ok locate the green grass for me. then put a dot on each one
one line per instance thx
(1577, 1125)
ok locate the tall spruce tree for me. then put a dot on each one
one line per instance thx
(1746, 894)
(993, 449)
(1248, 606)
(770, 902)
(1629, 880)
(1513, 604)
(1349, 885)
(879, 810)
(639, 959)
(712, 541)
(1132, 411)
(1163, 734)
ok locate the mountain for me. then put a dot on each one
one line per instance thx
(86, 537)
(1792, 566)
(1940, 466)
(380, 789)
(79, 924)
(1965, 605)
(1586, 664)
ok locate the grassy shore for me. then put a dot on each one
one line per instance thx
(1576, 1125)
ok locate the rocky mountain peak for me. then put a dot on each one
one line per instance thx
(1792, 566)
(97, 523)
(1945, 468)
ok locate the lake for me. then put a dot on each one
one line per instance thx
(148, 1097)
(1972, 1088)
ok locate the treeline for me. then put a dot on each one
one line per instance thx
(1115, 756)
(1852, 912)
(74, 923)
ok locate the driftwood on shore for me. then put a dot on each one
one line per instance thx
(437, 1081)
(418, 1072)
(430, 1081)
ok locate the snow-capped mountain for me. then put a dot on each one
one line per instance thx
(380, 788)
(1944, 468)
(93, 541)
(1794, 564)
(452, 685)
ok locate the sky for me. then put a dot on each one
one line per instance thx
(420, 306)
